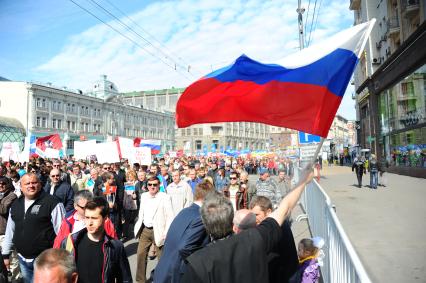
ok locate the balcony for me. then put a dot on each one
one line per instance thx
(410, 8)
(393, 26)
(355, 5)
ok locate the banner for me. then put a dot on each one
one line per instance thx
(10, 151)
(107, 152)
(142, 156)
(83, 149)
(127, 148)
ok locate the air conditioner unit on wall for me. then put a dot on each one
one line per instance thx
(377, 61)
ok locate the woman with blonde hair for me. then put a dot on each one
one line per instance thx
(130, 204)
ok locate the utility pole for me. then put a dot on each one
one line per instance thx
(300, 12)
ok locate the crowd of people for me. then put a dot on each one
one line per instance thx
(203, 218)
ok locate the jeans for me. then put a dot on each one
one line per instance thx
(374, 178)
(27, 270)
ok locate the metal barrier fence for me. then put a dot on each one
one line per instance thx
(341, 262)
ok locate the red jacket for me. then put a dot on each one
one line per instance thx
(68, 224)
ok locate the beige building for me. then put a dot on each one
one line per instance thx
(203, 137)
(390, 84)
(99, 114)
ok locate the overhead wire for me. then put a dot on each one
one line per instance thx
(171, 53)
(316, 20)
(136, 33)
(306, 22)
(312, 22)
(129, 38)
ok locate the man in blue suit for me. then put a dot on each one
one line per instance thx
(186, 235)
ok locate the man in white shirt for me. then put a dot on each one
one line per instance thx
(180, 192)
(155, 217)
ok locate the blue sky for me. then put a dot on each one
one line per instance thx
(56, 41)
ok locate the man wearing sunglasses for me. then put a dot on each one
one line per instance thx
(60, 189)
(155, 217)
(65, 177)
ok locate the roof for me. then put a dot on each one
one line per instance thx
(154, 91)
(11, 122)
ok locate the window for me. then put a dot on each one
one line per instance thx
(70, 144)
(54, 105)
(59, 105)
(59, 124)
(73, 125)
(73, 108)
(87, 110)
(68, 107)
(198, 145)
(38, 122)
(44, 122)
(38, 102)
(54, 124)
(43, 103)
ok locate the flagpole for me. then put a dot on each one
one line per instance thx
(317, 151)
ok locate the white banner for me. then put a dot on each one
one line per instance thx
(126, 147)
(10, 151)
(51, 153)
(107, 152)
(82, 149)
(142, 155)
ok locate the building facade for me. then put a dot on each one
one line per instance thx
(390, 84)
(204, 137)
(98, 114)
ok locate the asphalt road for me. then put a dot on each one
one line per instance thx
(387, 226)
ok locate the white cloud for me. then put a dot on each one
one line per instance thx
(206, 34)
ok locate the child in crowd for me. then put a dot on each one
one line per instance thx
(308, 251)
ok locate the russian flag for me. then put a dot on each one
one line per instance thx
(155, 145)
(302, 92)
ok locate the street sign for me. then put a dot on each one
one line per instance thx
(308, 138)
(307, 152)
(371, 139)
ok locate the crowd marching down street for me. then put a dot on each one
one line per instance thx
(65, 220)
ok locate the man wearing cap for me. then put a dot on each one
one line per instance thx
(267, 187)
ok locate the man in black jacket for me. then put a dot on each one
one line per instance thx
(34, 220)
(241, 257)
(60, 189)
(99, 258)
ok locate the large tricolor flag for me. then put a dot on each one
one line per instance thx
(303, 91)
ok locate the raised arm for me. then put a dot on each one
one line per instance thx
(290, 200)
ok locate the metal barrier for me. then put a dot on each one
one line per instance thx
(341, 262)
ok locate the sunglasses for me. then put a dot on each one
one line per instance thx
(233, 178)
(53, 176)
(106, 168)
(82, 207)
(152, 184)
